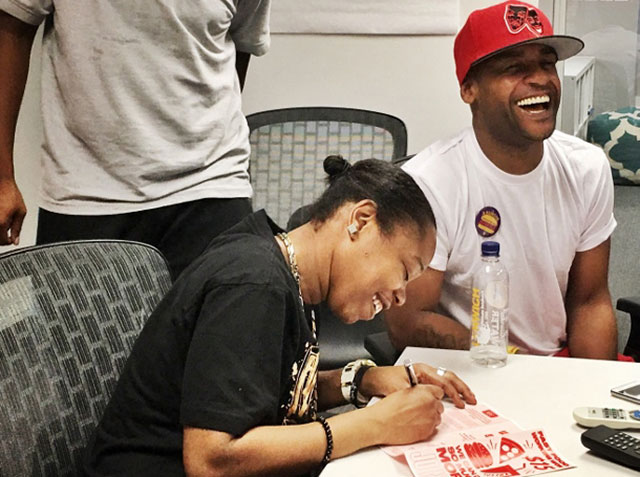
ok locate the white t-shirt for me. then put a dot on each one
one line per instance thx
(141, 101)
(563, 206)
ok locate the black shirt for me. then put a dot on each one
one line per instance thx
(229, 348)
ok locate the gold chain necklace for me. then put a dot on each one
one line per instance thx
(293, 266)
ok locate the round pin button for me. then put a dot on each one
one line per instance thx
(487, 221)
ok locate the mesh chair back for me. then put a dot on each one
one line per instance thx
(69, 314)
(288, 146)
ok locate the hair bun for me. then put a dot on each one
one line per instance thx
(335, 165)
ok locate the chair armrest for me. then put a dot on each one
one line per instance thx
(340, 342)
(381, 349)
(631, 305)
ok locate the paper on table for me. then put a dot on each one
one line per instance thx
(521, 453)
(472, 422)
(477, 441)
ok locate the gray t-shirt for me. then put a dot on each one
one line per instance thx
(141, 101)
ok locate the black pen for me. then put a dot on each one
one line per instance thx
(408, 366)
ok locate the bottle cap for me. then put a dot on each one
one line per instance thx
(490, 249)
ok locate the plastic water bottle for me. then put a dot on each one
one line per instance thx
(489, 308)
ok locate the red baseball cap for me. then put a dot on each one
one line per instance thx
(494, 29)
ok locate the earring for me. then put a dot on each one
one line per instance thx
(352, 228)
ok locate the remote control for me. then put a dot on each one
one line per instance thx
(613, 418)
(613, 445)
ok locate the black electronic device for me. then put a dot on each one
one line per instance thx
(613, 445)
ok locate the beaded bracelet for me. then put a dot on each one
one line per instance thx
(329, 435)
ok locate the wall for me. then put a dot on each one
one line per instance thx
(410, 77)
(610, 32)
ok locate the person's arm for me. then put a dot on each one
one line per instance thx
(591, 323)
(385, 380)
(329, 393)
(250, 33)
(16, 38)
(416, 324)
(242, 65)
(403, 417)
(382, 381)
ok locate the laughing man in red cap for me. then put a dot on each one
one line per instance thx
(547, 197)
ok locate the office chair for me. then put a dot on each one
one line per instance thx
(380, 348)
(288, 147)
(69, 314)
(631, 305)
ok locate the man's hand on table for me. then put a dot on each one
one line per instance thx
(385, 380)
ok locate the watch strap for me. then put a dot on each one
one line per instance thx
(350, 381)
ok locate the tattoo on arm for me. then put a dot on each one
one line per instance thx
(436, 339)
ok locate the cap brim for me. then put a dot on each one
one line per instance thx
(565, 46)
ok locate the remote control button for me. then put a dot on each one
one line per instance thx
(635, 414)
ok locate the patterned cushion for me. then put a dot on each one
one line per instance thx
(618, 133)
(69, 314)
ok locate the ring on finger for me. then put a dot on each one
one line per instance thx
(441, 371)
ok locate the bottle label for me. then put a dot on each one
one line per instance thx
(488, 321)
(475, 310)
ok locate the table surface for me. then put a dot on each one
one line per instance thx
(531, 391)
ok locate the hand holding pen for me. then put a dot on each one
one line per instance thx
(385, 380)
(453, 387)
